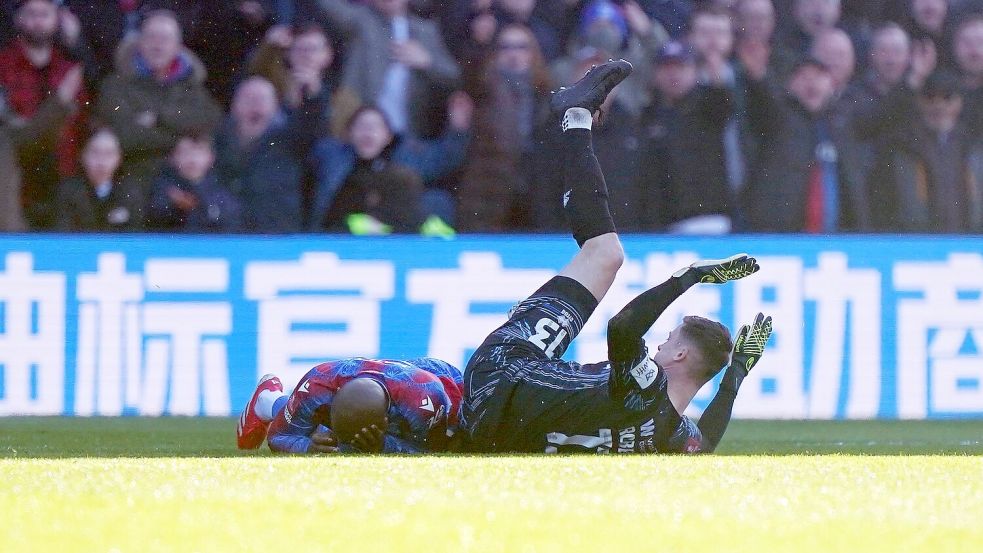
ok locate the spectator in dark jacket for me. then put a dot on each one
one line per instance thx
(301, 59)
(388, 177)
(890, 57)
(968, 48)
(834, 49)
(156, 96)
(797, 183)
(682, 173)
(100, 201)
(511, 94)
(929, 179)
(187, 195)
(261, 154)
(32, 67)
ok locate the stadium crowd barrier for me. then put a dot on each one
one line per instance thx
(866, 327)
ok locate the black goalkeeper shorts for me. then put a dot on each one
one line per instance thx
(516, 384)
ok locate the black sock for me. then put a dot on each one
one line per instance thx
(585, 197)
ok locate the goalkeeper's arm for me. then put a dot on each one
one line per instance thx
(625, 330)
(748, 347)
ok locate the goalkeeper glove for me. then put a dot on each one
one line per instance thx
(718, 271)
(748, 348)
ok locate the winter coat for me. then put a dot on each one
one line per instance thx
(217, 210)
(774, 199)
(431, 160)
(682, 171)
(180, 105)
(81, 210)
(53, 155)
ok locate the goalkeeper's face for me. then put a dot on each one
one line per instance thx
(672, 350)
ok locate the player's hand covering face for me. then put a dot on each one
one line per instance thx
(369, 440)
(719, 271)
(750, 342)
(323, 442)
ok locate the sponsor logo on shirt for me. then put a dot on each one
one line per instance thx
(644, 372)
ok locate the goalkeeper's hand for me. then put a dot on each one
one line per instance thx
(750, 343)
(719, 271)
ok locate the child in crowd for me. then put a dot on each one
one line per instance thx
(99, 201)
(187, 196)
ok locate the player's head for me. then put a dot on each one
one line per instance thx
(358, 404)
(698, 348)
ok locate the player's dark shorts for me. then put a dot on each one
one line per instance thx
(516, 388)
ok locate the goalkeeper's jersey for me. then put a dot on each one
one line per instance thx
(520, 397)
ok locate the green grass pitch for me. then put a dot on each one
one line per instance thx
(178, 484)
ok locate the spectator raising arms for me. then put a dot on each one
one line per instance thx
(155, 96)
(682, 175)
(797, 183)
(100, 201)
(606, 31)
(31, 67)
(395, 60)
(187, 195)
(301, 59)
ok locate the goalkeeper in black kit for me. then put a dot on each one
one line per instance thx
(519, 396)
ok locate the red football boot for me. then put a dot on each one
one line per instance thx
(251, 430)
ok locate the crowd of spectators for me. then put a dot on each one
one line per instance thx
(418, 116)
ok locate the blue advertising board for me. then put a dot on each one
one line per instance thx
(866, 327)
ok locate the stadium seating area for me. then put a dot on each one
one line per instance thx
(418, 116)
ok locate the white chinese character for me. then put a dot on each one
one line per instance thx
(32, 338)
(775, 386)
(834, 287)
(109, 342)
(186, 354)
(480, 279)
(319, 290)
(940, 334)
